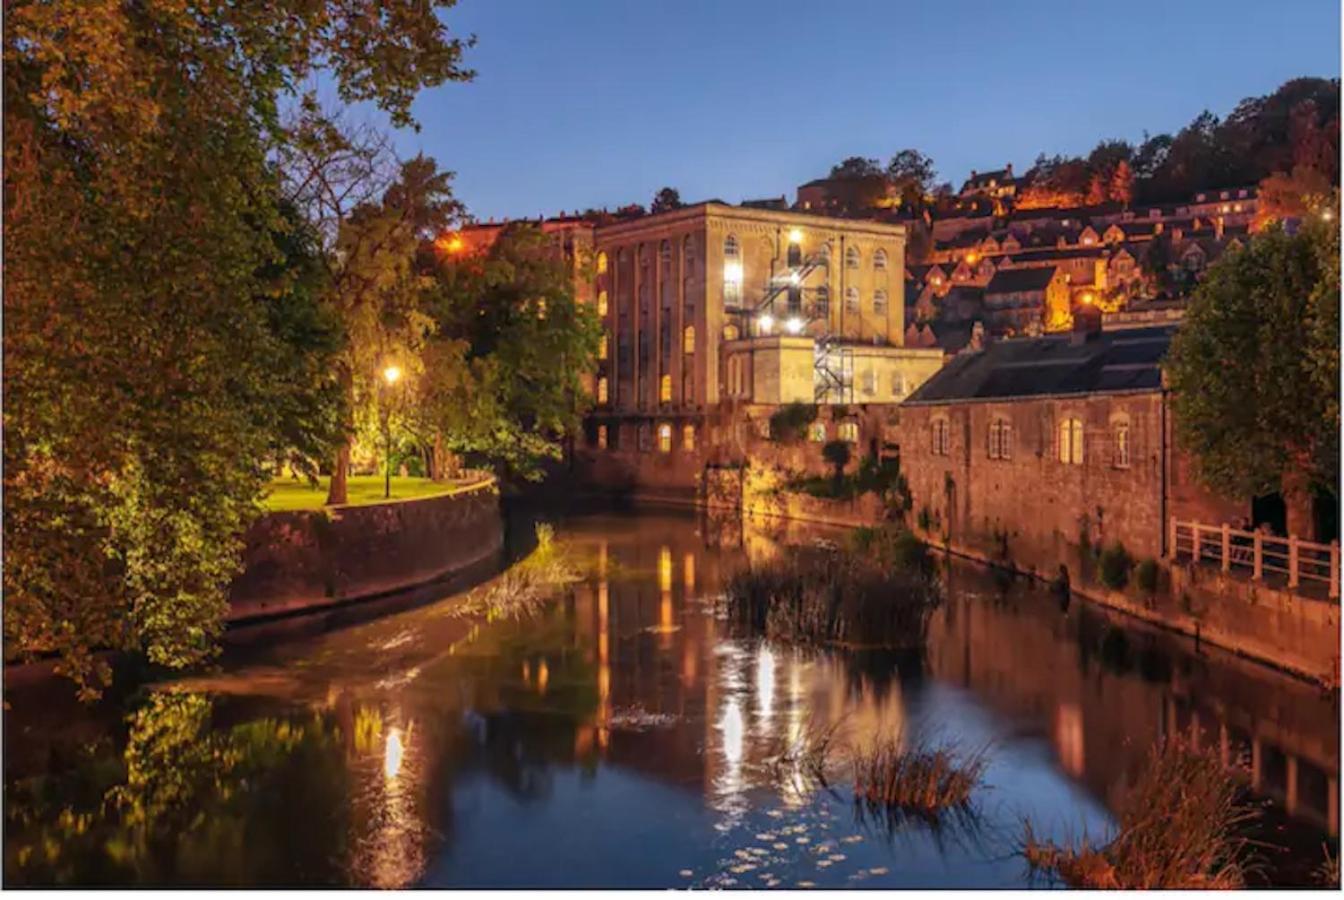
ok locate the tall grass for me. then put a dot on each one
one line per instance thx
(822, 596)
(1182, 826)
(528, 585)
(919, 779)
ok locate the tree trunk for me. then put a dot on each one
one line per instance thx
(437, 459)
(340, 472)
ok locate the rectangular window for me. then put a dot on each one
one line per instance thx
(601, 390)
(1122, 446)
(688, 437)
(665, 389)
(602, 348)
(602, 436)
(849, 431)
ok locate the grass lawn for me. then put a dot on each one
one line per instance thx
(288, 494)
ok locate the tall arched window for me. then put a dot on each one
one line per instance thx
(688, 257)
(664, 438)
(688, 439)
(824, 254)
(880, 303)
(1000, 439)
(940, 437)
(732, 272)
(688, 339)
(602, 347)
(1120, 444)
(665, 253)
(823, 302)
(601, 390)
(665, 389)
(602, 263)
(731, 249)
(1070, 440)
(602, 303)
(851, 299)
(880, 260)
(852, 258)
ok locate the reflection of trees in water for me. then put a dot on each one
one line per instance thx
(260, 802)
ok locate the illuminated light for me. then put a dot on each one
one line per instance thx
(665, 569)
(794, 325)
(732, 272)
(730, 726)
(1086, 298)
(794, 278)
(450, 243)
(688, 573)
(392, 374)
(543, 677)
(765, 682)
(393, 752)
(1327, 215)
(795, 236)
(765, 323)
(972, 258)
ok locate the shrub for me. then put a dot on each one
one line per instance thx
(925, 519)
(838, 454)
(1114, 566)
(1181, 827)
(892, 546)
(789, 423)
(1145, 576)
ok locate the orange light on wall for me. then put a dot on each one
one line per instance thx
(450, 243)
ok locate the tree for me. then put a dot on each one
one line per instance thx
(509, 354)
(912, 172)
(856, 167)
(1122, 184)
(837, 454)
(150, 316)
(1254, 368)
(665, 200)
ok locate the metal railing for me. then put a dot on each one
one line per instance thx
(1300, 563)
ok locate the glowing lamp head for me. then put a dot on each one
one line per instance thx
(794, 325)
(392, 374)
(732, 272)
(451, 243)
(1086, 298)
(1327, 215)
(793, 278)
(795, 236)
(765, 323)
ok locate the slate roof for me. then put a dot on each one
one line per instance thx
(1014, 281)
(1106, 362)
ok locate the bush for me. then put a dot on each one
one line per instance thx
(838, 454)
(1145, 576)
(1181, 827)
(917, 779)
(1114, 566)
(789, 423)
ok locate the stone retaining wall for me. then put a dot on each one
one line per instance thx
(311, 559)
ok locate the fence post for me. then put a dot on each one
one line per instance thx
(1194, 540)
(1292, 560)
(1227, 549)
(1171, 544)
(1334, 570)
(1259, 571)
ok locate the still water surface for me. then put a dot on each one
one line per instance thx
(623, 739)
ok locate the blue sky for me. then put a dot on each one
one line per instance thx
(583, 103)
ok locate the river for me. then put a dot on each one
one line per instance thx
(624, 739)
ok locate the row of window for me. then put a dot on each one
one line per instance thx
(687, 342)
(664, 437)
(1068, 441)
(732, 250)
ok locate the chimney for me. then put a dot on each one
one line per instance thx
(973, 174)
(1008, 170)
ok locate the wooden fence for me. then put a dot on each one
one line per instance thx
(1302, 564)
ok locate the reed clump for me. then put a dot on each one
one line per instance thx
(917, 779)
(825, 596)
(527, 586)
(1181, 827)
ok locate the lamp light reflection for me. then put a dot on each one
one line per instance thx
(393, 752)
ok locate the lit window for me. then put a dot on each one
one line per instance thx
(688, 437)
(1071, 441)
(848, 432)
(880, 303)
(732, 272)
(601, 303)
(1121, 441)
(602, 348)
(880, 260)
(601, 390)
(730, 332)
(602, 436)
(601, 263)
(852, 258)
(941, 437)
(731, 249)
(817, 432)
(664, 438)
(688, 339)
(851, 299)
(665, 390)
(824, 254)
(823, 310)
(1000, 439)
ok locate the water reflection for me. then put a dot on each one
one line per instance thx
(625, 739)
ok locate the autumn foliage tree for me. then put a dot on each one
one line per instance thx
(151, 318)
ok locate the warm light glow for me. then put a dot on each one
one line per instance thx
(392, 374)
(795, 236)
(794, 325)
(1086, 298)
(665, 568)
(393, 753)
(1327, 215)
(972, 258)
(765, 323)
(732, 272)
(765, 682)
(794, 278)
(543, 677)
(450, 243)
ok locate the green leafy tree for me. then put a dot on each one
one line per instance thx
(511, 348)
(913, 173)
(1255, 366)
(148, 323)
(838, 455)
(856, 167)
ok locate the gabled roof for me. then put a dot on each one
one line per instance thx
(1057, 364)
(1016, 281)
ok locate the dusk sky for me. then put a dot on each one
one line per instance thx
(601, 102)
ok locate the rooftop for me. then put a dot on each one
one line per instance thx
(1052, 365)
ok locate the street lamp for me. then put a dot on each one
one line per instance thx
(391, 375)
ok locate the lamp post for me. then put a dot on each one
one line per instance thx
(390, 375)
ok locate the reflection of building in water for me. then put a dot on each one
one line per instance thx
(1104, 692)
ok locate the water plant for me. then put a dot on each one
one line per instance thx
(527, 586)
(919, 779)
(820, 596)
(1182, 826)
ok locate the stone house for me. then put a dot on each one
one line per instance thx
(1038, 449)
(1019, 299)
